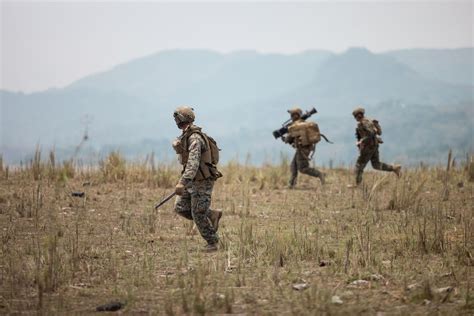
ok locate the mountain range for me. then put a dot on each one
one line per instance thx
(241, 97)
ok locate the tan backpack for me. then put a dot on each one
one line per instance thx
(212, 154)
(305, 133)
(209, 158)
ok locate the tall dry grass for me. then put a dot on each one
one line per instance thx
(399, 240)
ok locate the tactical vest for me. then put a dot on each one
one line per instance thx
(369, 129)
(209, 154)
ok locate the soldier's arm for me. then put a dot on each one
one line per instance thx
(196, 144)
(358, 137)
(357, 134)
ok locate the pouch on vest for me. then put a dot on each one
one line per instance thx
(211, 156)
(377, 126)
(378, 131)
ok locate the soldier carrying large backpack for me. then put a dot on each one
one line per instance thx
(303, 136)
(368, 139)
(199, 155)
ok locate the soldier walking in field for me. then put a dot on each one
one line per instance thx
(303, 136)
(368, 140)
(199, 154)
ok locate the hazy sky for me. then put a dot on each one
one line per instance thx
(51, 44)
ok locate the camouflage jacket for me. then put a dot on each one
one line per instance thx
(367, 131)
(196, 145)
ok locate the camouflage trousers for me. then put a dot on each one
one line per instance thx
(370, 153)
(195, 204)
(300, 163)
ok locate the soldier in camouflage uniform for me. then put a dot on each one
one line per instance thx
(194, 189)
(303, 154)
(368, 140)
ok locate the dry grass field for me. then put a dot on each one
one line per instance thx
(391, 247)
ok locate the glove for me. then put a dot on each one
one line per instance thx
(179, 189)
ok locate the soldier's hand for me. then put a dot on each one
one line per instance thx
(179, 189)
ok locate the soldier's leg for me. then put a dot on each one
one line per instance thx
(362, 161)
(201, 193)
(294, 172)
(302, 162)
(215, 217)
(376, 164)
(182, 206)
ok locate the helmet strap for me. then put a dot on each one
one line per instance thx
(183, 125)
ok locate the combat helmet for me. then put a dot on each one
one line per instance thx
(183, 115)
(358, 110)
(295, 110)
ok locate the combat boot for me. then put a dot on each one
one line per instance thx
(398, 170)
(210, 248)
(215, 217)
(292, 183)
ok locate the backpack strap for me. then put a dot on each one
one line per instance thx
(203, 172)
(206, 153)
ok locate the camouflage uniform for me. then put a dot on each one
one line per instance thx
(366, 132)
(301, 160)
(195, 203)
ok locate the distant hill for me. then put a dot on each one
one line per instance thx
(240, 97)
(239, 76)
(453, 66)
(359, 77)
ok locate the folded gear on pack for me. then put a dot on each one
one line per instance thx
(305, 133)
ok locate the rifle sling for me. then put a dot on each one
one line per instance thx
(326, 139)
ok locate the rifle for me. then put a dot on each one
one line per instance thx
(166, 199)
(284, 128)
